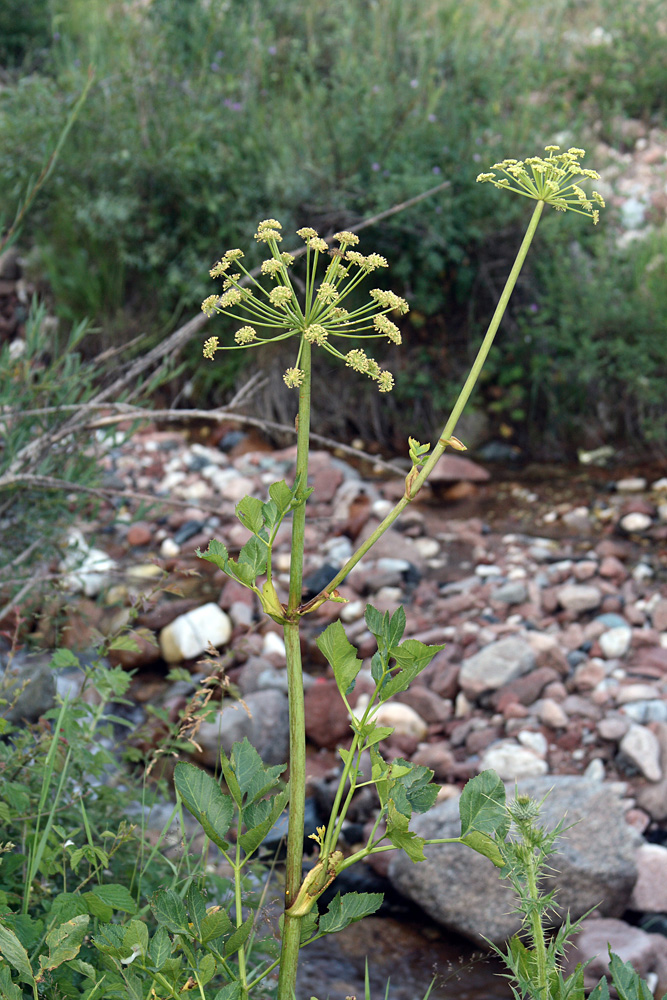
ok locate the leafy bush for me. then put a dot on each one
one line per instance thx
(621, 70)
(191, 130)
(25, 28)
(580, 370)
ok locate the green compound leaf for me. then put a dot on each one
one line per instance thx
(8, 989)
(341, 654)
(254, 836)
(347, 909)
(170, 912)
(482, 806)
(203, 797)
(196, 908)
(282, 496)
(400, 836)
(252, 561)
(64, 942)
(249, 512)
(240, 936)
(159, 949)
(231, 991)
(253, 778)
(115, 895)
(135, 938)
(214, 925)
(217, 554)
(483, 844)
(63, 658)
(15, 954)
(206, 969)
(412, 656)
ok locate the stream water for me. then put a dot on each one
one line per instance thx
(408, 953)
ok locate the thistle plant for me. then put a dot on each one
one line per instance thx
(319, 319)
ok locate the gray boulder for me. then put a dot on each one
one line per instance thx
(262, 716)
(28, 685)
(594, 866)
(497, 664)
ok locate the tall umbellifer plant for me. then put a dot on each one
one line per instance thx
(320, 319)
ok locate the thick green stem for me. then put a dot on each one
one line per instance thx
(453, 419)
(297, 726)
(536, 929)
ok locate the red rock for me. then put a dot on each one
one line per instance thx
(612, 568)
(140, 533)
(445, 676)
(612, 547)
(438, 757)
(479, 739)
(460, 491)
(455, 468)
(515, 711)
(659, 615)
(525, 690)
(653, 659)
(588, 675)
(548, 652)
(611, 604)
(556, 691)
(327, 721)
(428, 704)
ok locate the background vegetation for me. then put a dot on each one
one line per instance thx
(207, 116)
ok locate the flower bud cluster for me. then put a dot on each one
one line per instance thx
(551, 180)
(277, 313)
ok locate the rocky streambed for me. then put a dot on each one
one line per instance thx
(553, 612)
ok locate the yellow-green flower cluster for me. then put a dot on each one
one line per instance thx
(278, 314)
(551, 180)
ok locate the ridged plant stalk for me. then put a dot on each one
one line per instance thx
(297, 722)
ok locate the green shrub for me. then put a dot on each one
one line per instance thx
(579, 371)
(25, 28)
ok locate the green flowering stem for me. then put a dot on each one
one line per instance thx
(291, 939)
(418, 481)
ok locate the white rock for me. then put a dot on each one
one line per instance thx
(189, 634)
(273, 644)
(89, 569)
(552, 715)
(403, 719)
(631, 484)
(462, 706)
(660, 485)
(615, 642)
(595, 770)
(640, 745)
(486, 571)
(169, 548)
(636, 692)
(642, 572)
(511, 761)
(428, 548)
(635, 522)
(353, 611)
(579, 597)
(534, 741)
